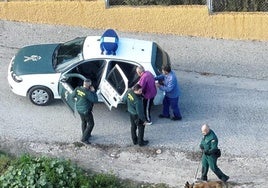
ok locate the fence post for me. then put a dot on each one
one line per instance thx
(210, 6)
(107, 4)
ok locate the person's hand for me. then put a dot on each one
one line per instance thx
(207, 152)
(91, 88)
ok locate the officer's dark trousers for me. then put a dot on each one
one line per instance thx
(211, 161)
(136, 124)
(87, 125)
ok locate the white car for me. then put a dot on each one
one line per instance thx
(51, 71)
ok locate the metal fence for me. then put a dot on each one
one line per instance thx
(156, 2)
(213, 5)
(238, 5)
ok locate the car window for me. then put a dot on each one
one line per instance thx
(68, 53)
(92, 70)
(115, 79)
(159, 58)
(129, 70)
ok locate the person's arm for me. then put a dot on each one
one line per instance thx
(160, 77)
(140, 111)
(169, 84)
(213, 146)
(92, 96)
(73, 94)
(124, 99)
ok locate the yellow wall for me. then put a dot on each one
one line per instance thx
(178, 20)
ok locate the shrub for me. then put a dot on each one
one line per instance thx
(28, 171)
(4, 162)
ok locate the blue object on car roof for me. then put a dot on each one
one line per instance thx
(109, 42)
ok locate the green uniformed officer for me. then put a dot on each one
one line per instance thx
(133, 99)
(85, 96)
(209, 146)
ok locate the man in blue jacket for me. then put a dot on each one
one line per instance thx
(168, 83)
(209, 147)
(85, 97)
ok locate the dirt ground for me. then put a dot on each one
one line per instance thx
(141, 164)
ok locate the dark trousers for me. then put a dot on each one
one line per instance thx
(87, 125)
(211, 161)
(147, 104)
(174, 104)
(136, 124)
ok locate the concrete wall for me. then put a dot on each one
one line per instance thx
(178, 20)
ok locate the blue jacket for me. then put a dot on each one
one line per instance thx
(170, 84)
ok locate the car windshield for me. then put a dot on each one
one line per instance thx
(69, 53)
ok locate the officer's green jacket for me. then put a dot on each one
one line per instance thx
(85, 99)
(209, 142)
(134, 104)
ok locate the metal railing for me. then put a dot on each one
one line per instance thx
(213, 5)
(238, 5)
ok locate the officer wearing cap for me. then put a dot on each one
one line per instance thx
(85, 97)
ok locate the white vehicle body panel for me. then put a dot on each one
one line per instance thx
(47, 80)
(128, 49)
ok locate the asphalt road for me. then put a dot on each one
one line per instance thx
(224, 83)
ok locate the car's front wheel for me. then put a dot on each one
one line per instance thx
(40, 95)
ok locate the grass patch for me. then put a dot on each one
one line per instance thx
(30, 171)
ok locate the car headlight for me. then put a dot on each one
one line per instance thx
(16, 78)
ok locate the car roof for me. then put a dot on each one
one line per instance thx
(128, 49)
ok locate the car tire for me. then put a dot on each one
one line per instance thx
(40, 95)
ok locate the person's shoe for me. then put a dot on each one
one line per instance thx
(85, 142)
(148, 123)
(144, 143)
(176, 118)
(204, 178)
(162, 116)
(135, 141)
(225, 179)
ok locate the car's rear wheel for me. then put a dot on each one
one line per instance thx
(40, 95)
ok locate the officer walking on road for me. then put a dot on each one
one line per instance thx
(133, 99)
(210, 154)
(85, 96)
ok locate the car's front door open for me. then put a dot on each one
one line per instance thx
(114, 87)
(67, 84)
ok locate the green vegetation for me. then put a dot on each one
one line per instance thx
(30, 171)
